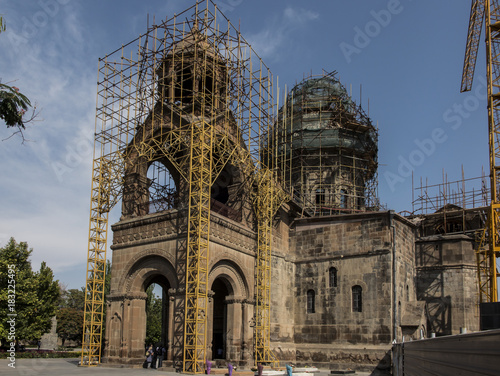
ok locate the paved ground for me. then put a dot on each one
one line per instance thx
(69, 367)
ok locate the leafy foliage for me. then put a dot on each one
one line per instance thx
(107, 288)
(154, 316)
(43, 354)
(36, 293)
(47, 291)
(70, 315)
(13, 105)
(70, 324)
(73, 298)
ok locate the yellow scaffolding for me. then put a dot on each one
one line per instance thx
(189, 97)
(198, 237)
(96, 264)
(268, 200)
(489, 248)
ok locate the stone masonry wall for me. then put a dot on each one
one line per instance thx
(146, 250)
(359, 247)
(405, 270)
(447, 281)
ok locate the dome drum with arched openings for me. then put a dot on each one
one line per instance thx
(327, 148)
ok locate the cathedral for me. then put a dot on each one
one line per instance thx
(347, 276)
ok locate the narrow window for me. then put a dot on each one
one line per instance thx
(184, 86)
(361, 202)
(310, 301)
(343, 199)
(333, 277)
(320, 196)
(357, 299)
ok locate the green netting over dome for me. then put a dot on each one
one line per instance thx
(319, 113)
(320, 91)
(326, 149)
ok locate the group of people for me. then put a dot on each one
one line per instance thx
(155, 356)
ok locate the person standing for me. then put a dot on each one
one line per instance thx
(149, 356)
(161, 355)
(155, 358)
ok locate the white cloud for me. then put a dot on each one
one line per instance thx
(54, 69)
(280, 31)
(299, 16)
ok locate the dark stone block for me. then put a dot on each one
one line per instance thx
(349, 372)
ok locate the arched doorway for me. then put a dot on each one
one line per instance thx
(127, 306)
(219, 321)
(157, 311)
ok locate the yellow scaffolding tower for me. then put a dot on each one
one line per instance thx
(489, 247)
(268, 200)
(198, 237)
(191, 97)
(96, 265)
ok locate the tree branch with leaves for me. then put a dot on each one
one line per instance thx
(14, 105)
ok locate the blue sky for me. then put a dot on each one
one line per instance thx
(407, 55)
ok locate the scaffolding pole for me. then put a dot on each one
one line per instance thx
(487, 12)
(175, 107)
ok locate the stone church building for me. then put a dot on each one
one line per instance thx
(348, 277)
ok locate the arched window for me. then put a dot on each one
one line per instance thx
(357, 298)
(320, 196)
(332, 277)
(184, 86)
(361, 202)
(343, 199)
(162, 188)
(310, 301)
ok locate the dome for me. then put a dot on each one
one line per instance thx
(319, 113)
(321, 93)
(326, 149)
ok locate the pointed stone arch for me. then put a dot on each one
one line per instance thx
(237, 313)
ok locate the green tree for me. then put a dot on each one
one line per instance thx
(73, 298)
(107, 288)
(107, 279)
(70, 324)
(47, 291)
(154, 316)
(70, 315)
(36, 293)
(14, 104)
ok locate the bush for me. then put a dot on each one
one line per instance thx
(42, 354)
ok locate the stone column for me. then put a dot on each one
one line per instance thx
(248, 325)
(178, 339)
(136, 321)
(125, 341)
(164, 317)
(234, 323)
(171, 307)
(113, 338)
(115, 330)
(210, 324)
